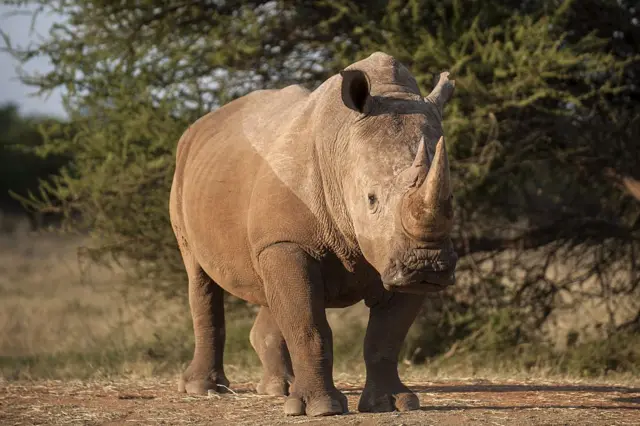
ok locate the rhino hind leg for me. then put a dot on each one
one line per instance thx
(387, 328)
(268, 342)
(205, 371)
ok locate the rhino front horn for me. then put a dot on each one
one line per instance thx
(437, 185)
(427, 212)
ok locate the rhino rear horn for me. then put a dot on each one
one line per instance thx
(420, 163)
(442, 92)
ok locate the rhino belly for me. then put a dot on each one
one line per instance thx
(215, 206)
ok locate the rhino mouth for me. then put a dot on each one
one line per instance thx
(421, 271)
(420, 282)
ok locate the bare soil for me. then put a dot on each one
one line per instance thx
(443, 402)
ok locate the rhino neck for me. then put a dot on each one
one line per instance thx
(330, 128)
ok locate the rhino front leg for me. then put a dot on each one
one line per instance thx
(295, 295)
(387, 328)
(207, 312)
(270, 346)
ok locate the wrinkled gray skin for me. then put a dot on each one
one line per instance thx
(299, 201)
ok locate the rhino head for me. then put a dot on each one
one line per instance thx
(397, 188)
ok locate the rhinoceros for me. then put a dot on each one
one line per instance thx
(298, 201)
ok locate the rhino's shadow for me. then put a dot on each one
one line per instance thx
(497, 388)
(527, 407)
(606, 403)
(618, 403)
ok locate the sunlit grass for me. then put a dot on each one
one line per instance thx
(60, 319)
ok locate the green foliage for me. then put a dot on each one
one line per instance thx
(499, 345)
(22, 168)
(618, 353)
(542, 130)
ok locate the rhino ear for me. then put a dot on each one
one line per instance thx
(355, 89)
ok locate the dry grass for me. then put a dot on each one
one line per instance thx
(63, 319)
(49, 306)
(53, 306)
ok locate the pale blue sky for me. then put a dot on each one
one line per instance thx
(11, 89)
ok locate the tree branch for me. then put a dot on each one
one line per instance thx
(561, 231)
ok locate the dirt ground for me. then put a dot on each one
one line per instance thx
(443, 403)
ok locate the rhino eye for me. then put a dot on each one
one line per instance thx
(372, 199)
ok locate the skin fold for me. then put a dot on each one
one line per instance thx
(299, 201)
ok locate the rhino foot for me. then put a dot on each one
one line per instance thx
(321, 405)
(273, 387)
(377, 401)
(200, 384)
